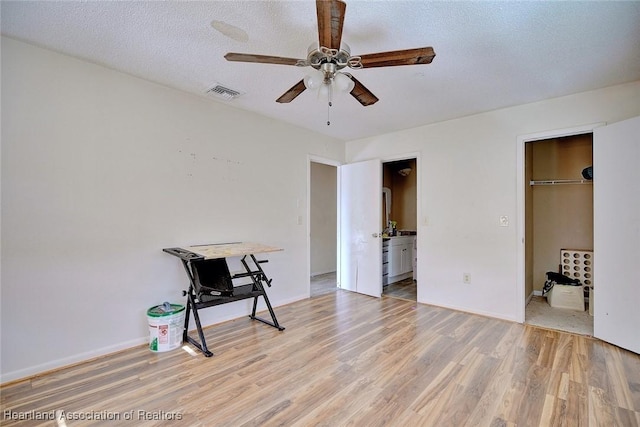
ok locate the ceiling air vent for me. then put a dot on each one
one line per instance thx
(225, 93)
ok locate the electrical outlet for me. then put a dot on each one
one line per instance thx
(466, 278)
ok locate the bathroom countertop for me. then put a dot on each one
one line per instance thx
(398, 237)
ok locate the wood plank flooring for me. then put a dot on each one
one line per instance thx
(405, 289)
(323, 284)
(326, 283)
(350, 360)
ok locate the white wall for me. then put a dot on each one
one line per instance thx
(100, 171)
(323, 218)
(468, 174)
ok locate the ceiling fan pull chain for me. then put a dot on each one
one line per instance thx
(331, 93)
(329, 104)
(328, 121)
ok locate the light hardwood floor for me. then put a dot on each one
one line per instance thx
(405, 289)
(323, 284)
(347, 359)
(326, 283)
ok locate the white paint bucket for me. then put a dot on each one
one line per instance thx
(166, 323)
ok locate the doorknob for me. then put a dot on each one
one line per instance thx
(374, 235)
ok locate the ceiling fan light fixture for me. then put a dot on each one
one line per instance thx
(327, 83)
(328, 80)
(343, 83)
(325, 91)
(314, 80)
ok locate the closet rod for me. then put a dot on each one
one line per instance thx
(560, 181)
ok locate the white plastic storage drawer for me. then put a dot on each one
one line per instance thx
(564, 296)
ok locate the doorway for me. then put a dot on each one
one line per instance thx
(322, 227)
(559, 232)
(399, 225)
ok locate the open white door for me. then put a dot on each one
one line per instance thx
(360, 224)
(616, 233)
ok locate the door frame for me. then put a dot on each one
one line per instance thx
(311, 158)
(329, 162)
(520, 302)
(420, 221)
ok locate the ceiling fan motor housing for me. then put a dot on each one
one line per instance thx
(317, 56)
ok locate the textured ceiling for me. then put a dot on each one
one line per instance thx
(489, 55)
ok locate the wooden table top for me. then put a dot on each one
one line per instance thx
(226, 250)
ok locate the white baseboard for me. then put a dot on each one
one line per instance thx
(71, 360)
(467, 310)
(320, 273)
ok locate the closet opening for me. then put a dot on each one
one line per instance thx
(559, 233)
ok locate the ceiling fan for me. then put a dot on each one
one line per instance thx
(331, 55)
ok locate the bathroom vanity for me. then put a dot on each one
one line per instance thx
(397, 258)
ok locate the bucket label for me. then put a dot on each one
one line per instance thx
(163, 334)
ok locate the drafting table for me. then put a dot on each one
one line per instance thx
(211, 283)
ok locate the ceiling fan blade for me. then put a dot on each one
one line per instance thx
(263, 59)
(330, 20)
(292, 93)
(361, 93)
(423, 55)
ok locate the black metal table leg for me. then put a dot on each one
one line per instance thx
(191, 305)
(202, 345)
(257, 277)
